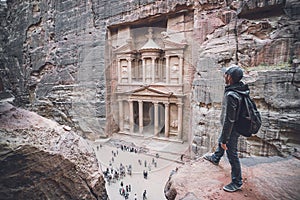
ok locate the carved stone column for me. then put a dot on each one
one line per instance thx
(144, 69)
(167, 70)
(119, 71)
(121, 119)
(159, 69)
(129, 60)
(167, 119)
(131, 120)
(153, 69)
(155, 118)
(136, 70)
(180, 105)
(141, 117)
(180, 69)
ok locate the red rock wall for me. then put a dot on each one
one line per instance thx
(54, 60)
(43, 160)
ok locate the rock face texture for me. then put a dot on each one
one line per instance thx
(263, 178)
(264, 45)
(49, 63)
(43, 160)
(54, 59)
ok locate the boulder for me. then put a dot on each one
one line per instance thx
(42, 160)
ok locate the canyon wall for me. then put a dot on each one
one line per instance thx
(42, 160)
(52, 61)
(263, 39)
(55, 61)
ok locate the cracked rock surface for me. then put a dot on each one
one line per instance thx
(263, 178)
(41, 159)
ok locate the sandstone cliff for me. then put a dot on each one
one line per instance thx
(54, 60)
(263, 178)
(43, 160)
(262, 38)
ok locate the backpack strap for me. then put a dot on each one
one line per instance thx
(239, 97)
(246, 99)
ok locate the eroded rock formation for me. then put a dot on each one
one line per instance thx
(55, 60)
(48, 61)
(43, 160)
(263, 178)
(267, 47)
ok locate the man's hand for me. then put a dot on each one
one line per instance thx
(224, 146)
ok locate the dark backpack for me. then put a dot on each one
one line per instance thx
(249, 121)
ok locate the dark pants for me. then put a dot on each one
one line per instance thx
(232, 154)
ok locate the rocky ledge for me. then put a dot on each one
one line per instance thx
(263, 178)
(40, 159)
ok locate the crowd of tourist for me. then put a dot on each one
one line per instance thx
(114, 174)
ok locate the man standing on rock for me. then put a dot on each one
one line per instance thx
(229, 137)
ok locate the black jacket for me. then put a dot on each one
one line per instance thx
(230, 108)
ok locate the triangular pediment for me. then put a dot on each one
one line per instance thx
(149, 91)
(150, 45)
(123, 49)
(168, 44)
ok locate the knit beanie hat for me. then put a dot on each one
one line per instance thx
(235, 72)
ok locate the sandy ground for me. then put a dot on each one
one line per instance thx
(264, 177)
(157, 176)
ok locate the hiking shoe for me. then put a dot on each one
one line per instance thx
(231, 187)
(210, 159)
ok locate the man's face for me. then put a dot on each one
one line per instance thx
(227, 79)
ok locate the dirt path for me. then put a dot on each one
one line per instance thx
(157, 176)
